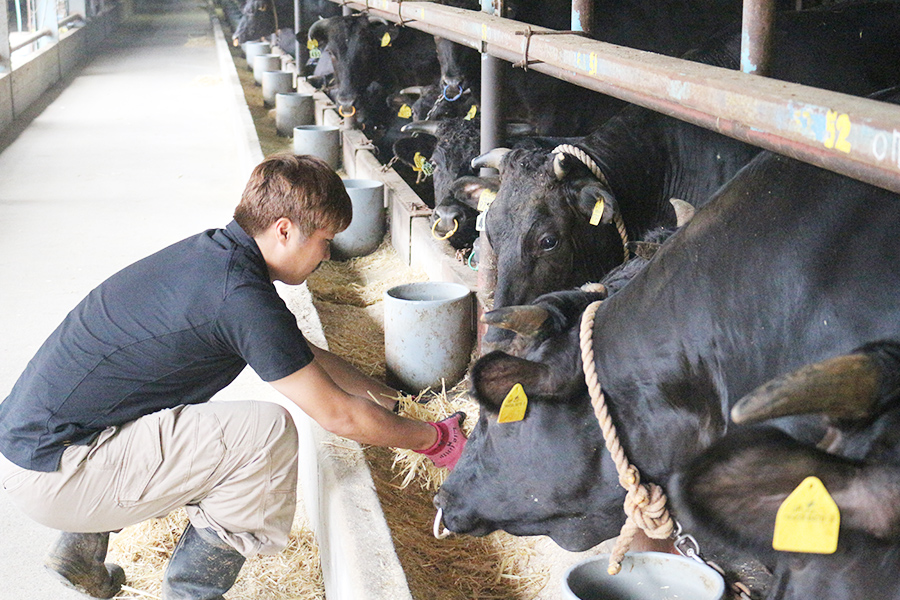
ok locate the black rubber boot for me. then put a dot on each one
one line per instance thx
(202, 567)
(76, 559)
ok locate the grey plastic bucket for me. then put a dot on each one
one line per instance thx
(323, 141)
(293, 109)
(254, 49)
(276, 82)
(366, 230)
(428, 334)
(644, 576)
(263, 63)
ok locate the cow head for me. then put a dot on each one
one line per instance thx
(547, 474)
(540, 228)
(257, 21)
(358, 46)
(732, 492)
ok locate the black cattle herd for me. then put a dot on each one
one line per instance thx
(758, 346)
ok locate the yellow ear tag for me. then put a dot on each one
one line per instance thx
(808, 520)
(597, 213)
(386, 39)
(405, 112)
(310, 44)
(471, 114)
(514, 405)
(485, 199)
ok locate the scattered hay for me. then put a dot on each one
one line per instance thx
(143, 550)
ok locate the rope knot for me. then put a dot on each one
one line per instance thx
(646, 506)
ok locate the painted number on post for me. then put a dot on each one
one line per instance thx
(837, 129)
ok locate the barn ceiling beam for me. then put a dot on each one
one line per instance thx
(854, 136)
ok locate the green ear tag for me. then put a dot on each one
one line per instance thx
(485, 199)
(514, 405)
(405, 112)
(808, 520)
(385, 40)
(472, 112)
(597, 213)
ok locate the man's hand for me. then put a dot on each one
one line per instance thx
(450, 442)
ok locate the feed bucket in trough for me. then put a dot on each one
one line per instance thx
(263, 63)
(293, 109)
(366, 230)
(644, 576)
(276, 82)
(428, 334)
(323, 141)
(254, 49)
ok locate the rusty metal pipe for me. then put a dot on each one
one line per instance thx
(852, 136)
(756, 36)
(582, 15)
(30, 39)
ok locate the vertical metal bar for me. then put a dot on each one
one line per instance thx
(5, 52)
(756, 38)
(583, 15)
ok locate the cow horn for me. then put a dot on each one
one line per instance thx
(489, 160)
(844, 387)
(379, 20)
(524, 320)
(559, 167)
(519, 129)
(319, 29)
(684, 211)
(429, 127)
(413, 90)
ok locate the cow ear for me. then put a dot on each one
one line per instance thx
(595, 202)
(495, 374)
(735, 488)
(471, 191)
(405, 149)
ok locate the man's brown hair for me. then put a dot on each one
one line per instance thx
(300, 187)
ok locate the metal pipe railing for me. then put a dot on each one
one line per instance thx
(70, 19)
(853, 136)
(30, 39)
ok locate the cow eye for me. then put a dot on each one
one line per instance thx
(548, 242)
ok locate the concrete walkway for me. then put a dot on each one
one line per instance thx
(139, 151)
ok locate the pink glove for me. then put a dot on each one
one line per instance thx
(450, 443)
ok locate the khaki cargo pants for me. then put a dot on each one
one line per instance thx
(232, 464)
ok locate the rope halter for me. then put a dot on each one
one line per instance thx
(587, 161)
(645, 503)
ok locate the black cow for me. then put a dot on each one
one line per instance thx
(732, 492)
(373, 59)
(788, 265)
(539, 224)
(263, 18)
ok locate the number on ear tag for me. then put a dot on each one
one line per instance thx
(808, 520)
(405, 112)
(597, 213)
(485, 199)
(385, 40)
(471, 114)
(514, 405)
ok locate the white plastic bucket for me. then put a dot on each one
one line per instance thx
(366, 230)
(293, 109)
(644, 576)
(428, 334)
(254, 49)
(263, 63)
(276, 82)
(323, 141)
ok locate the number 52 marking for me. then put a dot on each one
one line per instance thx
(837, 128)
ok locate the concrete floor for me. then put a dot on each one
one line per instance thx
(138, 151)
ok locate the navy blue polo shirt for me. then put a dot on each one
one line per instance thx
(173, 328)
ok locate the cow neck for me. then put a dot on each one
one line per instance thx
(645, 503)
(587, 161)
